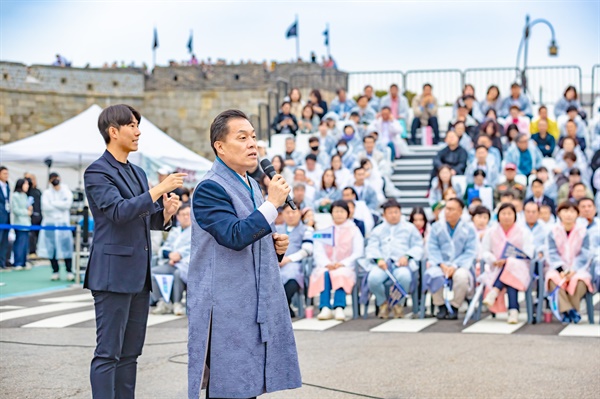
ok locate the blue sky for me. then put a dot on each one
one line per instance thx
(364, 35)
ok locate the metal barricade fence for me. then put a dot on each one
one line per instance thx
(380, 81)
(447, 84)
(483, 78)
(546, 85)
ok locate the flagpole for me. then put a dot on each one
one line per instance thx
(328, 42)
(297, 39)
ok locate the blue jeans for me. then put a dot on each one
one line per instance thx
(378, 277)
(339, 298)
(21, 247)
(513, 300)
(416, 123)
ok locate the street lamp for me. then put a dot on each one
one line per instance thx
(552, 49)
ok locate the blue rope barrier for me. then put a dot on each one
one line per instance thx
(35, 227)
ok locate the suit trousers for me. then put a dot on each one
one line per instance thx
(120, 332)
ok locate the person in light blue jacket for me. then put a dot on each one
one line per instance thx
(365, 112)
(395, 245)
(525, 154)
(342, 105)
(568, 99)
(516, 98)
(21, 210)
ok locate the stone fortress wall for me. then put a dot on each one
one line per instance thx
(182, 101)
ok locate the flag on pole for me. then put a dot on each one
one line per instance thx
(165, 284)
(510, 251)
(155, 45)
(190, 42)
(396, 292)
(326, 236)
(326, 34)
(553, 301)
(292, 30)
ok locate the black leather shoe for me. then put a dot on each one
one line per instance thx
(442, 313)
(453, 315)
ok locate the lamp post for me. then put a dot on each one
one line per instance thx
(524, 45)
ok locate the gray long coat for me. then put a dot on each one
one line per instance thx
(234, 283)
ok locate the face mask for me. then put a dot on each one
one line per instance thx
(55, 182)
(342, 148)
(315, 148)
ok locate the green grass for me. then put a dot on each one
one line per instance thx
(26, 282)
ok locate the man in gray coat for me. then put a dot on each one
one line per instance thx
(241, 343)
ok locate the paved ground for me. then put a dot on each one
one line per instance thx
(441, 361)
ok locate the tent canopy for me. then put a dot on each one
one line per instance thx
(76, 143)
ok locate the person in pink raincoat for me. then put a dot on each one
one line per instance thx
(508, 274)
(335, 265)
(569, 259)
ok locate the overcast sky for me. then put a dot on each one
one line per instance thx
(364, 35)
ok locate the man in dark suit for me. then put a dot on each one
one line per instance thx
(538, 196)
(4, 214)
(118, 273)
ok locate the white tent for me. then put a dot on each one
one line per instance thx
(76, 143)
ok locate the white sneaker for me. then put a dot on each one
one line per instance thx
(162, 308)
(70, 277)
(28, 266)
(19, 267)
(325, 314)
(55, 277)
(178, 309)
(339, 314)
(490, 298)
(513, 316)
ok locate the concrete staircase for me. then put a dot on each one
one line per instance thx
(411, 177)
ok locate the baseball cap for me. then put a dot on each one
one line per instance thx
(510, 166)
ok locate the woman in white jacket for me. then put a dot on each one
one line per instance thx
(57, 244)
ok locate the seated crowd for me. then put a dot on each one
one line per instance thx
(503, 179)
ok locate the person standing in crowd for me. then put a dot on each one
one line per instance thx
(175, 260)
(335, 264)
(4, 214)
(425, 108)
(21, 211)
(568, 257)
(451, 248)
(36, 216)
(300, 247)
(57, 244)
(509, 273)
(395, 245)
(516, 98)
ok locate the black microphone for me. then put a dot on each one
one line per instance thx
(266, 166)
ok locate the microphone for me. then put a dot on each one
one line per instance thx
(269, 170)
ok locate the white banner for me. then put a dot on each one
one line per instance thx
(165, 284)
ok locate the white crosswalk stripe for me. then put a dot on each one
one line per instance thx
(64, 320)
(56, 307)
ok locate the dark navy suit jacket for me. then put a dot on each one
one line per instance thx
(121, 252)
(4, 215)
(545, 201)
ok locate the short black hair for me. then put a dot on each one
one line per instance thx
(219, 128)
(482, 146)
(391, 203)
(479, 172)
(428, 84)
(458, 201)
(313, 139)
(585, 199)
(311, 156)
(183, 206)
(567, 205)
(481, 210)
(19, 185)
(357, 169)
(52, 176)
(341, 204)
(116, 116)
(368, 136)
(3, 168)
(532, 202)
(351, 189)
(536, 180)
(386, 107)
